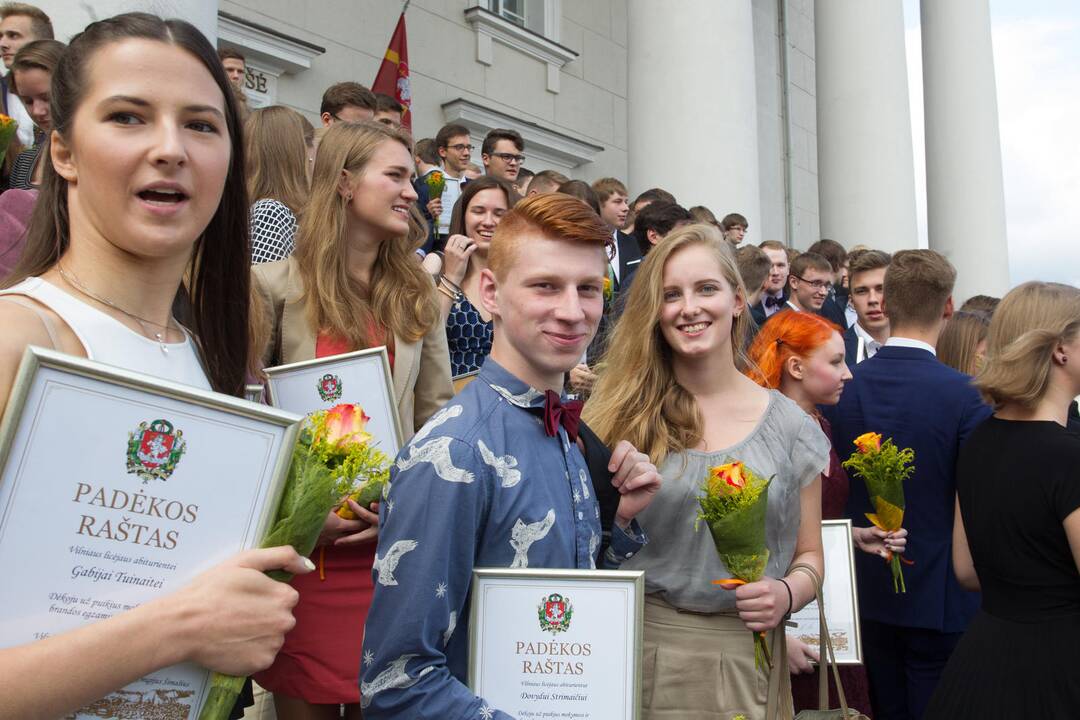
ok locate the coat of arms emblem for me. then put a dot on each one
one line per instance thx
(555, 612)
(154, 449)
(329, 387)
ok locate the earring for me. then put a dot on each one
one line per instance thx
(348, 198)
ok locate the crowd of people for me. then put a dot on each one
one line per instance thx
(567, 363)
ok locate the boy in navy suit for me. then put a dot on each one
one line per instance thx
(903, 392)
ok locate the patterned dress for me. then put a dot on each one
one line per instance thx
(478, 486)
(273, 226)
(468, 337)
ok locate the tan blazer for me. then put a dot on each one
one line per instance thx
(421, 369)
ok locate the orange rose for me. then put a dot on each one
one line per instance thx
(345, 425)
(868, 442)
(727, 479)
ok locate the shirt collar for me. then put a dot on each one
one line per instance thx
(895, 341)
(871, 343)
(513, 390)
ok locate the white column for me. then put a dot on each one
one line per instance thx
(692, 104)
(965, 196)
(866, 172)
(71, 17)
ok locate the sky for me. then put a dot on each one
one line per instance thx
(1037, 69)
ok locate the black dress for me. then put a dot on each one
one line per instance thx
(1017, 482)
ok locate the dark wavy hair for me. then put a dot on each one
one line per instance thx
(214, 302)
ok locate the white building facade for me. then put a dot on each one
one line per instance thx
(731, 104)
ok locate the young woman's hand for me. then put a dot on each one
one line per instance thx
(879, 542)
(456, 261)
(762, 604)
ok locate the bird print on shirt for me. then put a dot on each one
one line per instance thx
(394, 676)
(523, 535)
(447, 413)
(502, 465)
(386, 565)
(436, 452)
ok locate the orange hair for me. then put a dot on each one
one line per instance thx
(559, 216)
(786, 334)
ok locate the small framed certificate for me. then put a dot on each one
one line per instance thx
(462, 381)
(116, 488)
(840, 595)
(362, 377)
(557, 643)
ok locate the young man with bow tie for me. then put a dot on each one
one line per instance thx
(496, 478)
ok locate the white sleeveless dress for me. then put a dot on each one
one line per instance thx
(106, 339)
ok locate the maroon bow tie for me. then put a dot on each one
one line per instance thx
(556, 413)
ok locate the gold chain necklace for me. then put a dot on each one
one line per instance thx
(70, 278)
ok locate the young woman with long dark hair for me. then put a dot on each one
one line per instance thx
(143, 187)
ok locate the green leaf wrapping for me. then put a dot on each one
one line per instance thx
(739, 536)
(370, 492)
(310, 494)
(890, 489)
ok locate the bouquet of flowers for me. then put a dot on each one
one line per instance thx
(733, 507)
(884, 468)
(333, 457)
(436, 184)
(8, 128)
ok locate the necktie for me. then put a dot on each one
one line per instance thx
(557, 413)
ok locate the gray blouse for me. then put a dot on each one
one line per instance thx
(681, 563)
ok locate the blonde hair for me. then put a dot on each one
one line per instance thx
(400, 296)
(637, 397)
(960, 337)
(276, 140)
(1031, 321)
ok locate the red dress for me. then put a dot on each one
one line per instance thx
(320, 660)
(804, 688)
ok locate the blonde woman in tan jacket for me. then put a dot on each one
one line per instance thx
(352, 283)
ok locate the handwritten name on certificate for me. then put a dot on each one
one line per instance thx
(558, 643)
(116, 489)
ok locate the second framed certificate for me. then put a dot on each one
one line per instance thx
(557, 643)
(841, 598)
(362, 377)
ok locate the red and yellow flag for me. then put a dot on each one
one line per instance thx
(393, 76)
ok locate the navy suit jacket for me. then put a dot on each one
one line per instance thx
(908, 395)
(629, 259)
(851, 347)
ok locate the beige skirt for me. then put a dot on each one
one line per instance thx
(700, 667)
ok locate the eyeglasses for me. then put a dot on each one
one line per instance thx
(509, 157)
(460, 146)
(816, 284)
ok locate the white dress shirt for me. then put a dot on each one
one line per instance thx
(868, 346)
(909, 343)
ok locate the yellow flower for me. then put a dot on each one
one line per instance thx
(868, 442)
(345, 425)
(727, 479)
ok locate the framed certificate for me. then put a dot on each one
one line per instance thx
(116, 488)
(840, 595)
(362, 377)
(557, 643)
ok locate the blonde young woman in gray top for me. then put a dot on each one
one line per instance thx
(673, 385)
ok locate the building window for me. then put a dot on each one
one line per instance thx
(539, 16)
(512, 10)
(531, 26)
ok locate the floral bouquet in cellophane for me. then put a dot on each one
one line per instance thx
(8, 128)
(884, 468)
(436, 183)
(733, 507)
(333, 459)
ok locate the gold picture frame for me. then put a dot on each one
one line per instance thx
(123, 472)
(297, 387)
(841, 596)
(505, 601)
